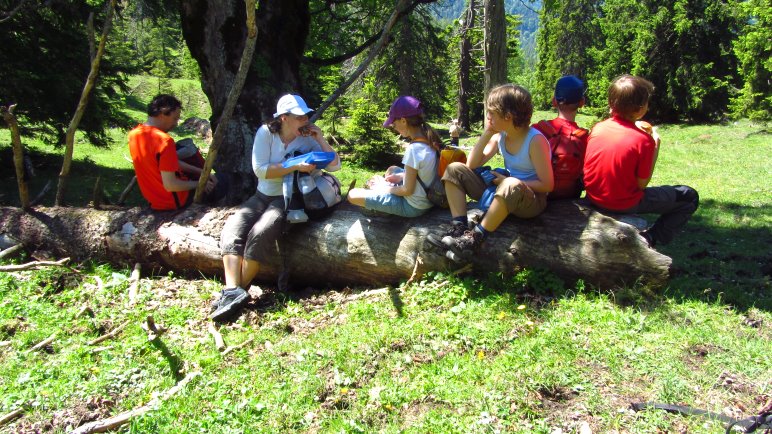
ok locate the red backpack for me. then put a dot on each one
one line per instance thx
(568, 146)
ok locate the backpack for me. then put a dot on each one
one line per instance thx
(319, 191)
(435, 191)
(188, 152)
(568, 147)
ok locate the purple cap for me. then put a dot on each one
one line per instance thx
(569, 89)
(403, 107)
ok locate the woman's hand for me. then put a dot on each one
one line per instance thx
(497, 177)
(304, 167)
(311, 130)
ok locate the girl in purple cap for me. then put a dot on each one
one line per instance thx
(399, 192)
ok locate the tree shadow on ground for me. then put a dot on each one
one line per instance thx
(80, 190)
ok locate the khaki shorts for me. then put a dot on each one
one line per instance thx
(521, 201)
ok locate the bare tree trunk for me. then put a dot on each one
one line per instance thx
(464, 66)
(73, 127)
(18, 154)
(495, 44)
(230, 104)
(347, 248)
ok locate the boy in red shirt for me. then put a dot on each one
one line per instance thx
(620, 159)
(154, 155)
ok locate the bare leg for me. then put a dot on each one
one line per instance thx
(495, 215)
(249, 269)
(232, 265)
(456, 199)
(356, 196)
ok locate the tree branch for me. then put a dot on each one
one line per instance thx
(14, 11)
(230, 103)
(84, 96)
(116, 421)
(401, 6)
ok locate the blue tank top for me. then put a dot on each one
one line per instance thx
(519, 165)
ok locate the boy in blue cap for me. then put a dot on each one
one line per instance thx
(568, 141)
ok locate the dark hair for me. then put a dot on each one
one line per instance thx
(512, 99)
(274, 125)
(628, 93)
(163, 103)
(418, 121)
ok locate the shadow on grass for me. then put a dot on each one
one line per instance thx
(83, 176)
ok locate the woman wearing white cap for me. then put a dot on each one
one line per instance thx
(249, 236)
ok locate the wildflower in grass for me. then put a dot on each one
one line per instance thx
(480, 355)
(521, 307)
(501, 315)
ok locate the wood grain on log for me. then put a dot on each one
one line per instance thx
(348, 247)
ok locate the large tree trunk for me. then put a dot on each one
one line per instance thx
(495, 44)
(348, 247)
(464, 67)
(215, 33)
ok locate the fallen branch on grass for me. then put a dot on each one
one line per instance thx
(85, 310)
(123, 418)
(11, 416)
(153, 331)
(34, 265)
(134, 284)
(11, 251)
(415, 274)
(218, 341)
(42, 344)
(110, 335)
(42, 195)
(238, 347)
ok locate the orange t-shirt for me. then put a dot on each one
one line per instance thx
(153, 151)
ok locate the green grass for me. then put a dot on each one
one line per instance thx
(515, 354)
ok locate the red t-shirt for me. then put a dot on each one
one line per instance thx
(618, 154)
(153, 151)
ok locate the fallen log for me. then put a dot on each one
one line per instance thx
(348, 247)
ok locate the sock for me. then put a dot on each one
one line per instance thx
(462, 219)
(481, 230)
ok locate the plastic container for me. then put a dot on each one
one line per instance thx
(320, 159)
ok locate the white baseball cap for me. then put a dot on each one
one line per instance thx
(291, 104)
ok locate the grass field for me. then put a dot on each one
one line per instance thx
(520, 353)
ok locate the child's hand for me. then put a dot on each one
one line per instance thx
(645, 127)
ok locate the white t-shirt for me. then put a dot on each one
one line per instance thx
(268, 149)
(422, 158)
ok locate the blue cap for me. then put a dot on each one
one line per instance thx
(569, 89)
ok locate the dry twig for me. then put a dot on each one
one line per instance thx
(11, 416)
(85, 310)
(218, 341)
(10, 251)
(33, 265)
(238, 347)
(414, 274)
(153, 331)
(134, 286)
(110, 335)
(121, 419)
(43, 343)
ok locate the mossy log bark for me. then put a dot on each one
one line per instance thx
(348, 247)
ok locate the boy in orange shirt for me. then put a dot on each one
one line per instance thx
(153, 152)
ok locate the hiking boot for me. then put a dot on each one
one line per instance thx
(456, 229)
(465, 245)
(231, 300)
(649, 237)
